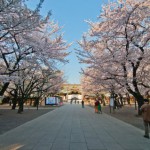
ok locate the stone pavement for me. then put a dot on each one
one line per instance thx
(74, 128)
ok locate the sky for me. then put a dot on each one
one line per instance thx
(71, 15)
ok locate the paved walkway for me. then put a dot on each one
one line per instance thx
(74, 128)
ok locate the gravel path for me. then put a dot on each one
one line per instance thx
(127, 114)
(10, 119)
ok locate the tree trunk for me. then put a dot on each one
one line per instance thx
(121, 99)
(103, 99)
(20, 102)
(104, 104)
(14, 100)
(37, 103)
(14, 103)
(140, 102)
(5, 86)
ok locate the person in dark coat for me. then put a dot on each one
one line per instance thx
(82, 103)
(145, 109)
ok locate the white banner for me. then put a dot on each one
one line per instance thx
(111, 102)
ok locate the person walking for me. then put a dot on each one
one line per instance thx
(96, 106)
(82, 103)
(99, 108)
(145, 109)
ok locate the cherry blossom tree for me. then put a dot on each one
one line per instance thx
(118, 46)
(34, 81)
(15, 19)
(27, 38)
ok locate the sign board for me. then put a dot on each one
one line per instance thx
(52, 100)
(111, 102)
